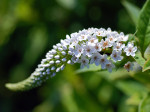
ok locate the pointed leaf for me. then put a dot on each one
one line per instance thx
(143, 28)
(146, 65)
(139, 59)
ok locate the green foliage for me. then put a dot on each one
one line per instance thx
(132, 10)
(143, 28)
(145, 104)
(139, 59)
(29, 29)
(146, 65)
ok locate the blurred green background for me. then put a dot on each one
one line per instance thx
(29, 28)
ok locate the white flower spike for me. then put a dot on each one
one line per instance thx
(88, 46)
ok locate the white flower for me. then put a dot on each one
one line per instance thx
(71, 47)
(57, 61)
(58, 69)
(101, 32)
(129, 66)
(67, 37)
(63, 53)
(74, 42)
(103, 61)
(54, 47)
(95, 59)
(78, 51)
(53, 51)
(108, 31)
(70, 52)
(116, 56)
(97, 47)
(64, 59)
(82, 37)
(53, 74)
(109, 66)
(88, 50)
(57, 57)
(130, 49)
(118, 46)
(90, 31)
(74, 36)
(69, 62)
(53, 68)
(51, 62)
(75, 59)
(84, 62)
(111, 38)
(92, 40)
(105, 44)
(122, 37)
(65, 42)
(62, 67)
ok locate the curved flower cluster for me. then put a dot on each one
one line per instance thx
(99, 46)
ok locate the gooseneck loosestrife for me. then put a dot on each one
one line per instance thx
(101, 47)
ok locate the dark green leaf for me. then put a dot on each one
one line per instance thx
(143, 28)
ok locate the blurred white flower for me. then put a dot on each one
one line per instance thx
(110, 66)
(95, 59)
(84, 62)
(129, 66)
(105, 44)
(88, 50)
(97, 47)
(116, 56)
(78, 51)
(122, 37)
(118, 46)
(103, 61)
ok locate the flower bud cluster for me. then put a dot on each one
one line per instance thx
(54, 62)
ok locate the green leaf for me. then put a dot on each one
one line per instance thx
(131, 87)
(147, 52)
(143, 28)
(145, 104)
(139, 59)
(91, 68)
(132, 10)
(146, 65)
(143, 77)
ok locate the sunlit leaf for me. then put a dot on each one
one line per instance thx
(139, 59)
(132, 10)
(143, 28)
(146, 65)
